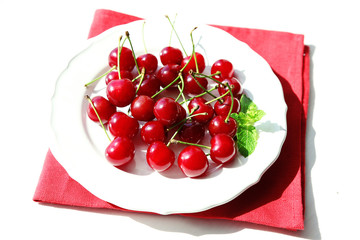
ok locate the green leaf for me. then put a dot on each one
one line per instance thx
(247, 140)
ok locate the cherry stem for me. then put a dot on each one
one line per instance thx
(173, 28)
(201, 94)
(120, 46)
(181, 89)
(102, 125)
(218, 98)
(201, 86)
(193, 50)
(174, 81)
(232, 103)
(183, 96)
(210, 76)
(132, 50)
(143, 38)
(188, 143)
(142, 74)
(137, 77)
(103, 75)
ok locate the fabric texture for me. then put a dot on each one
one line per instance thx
(277, 200)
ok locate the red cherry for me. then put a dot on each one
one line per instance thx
(114, 75)
(142, 108)
(192, 132)
(199, 59)
(199, 103)
(168, 74)
(153, 131)
(193, 161)
(234, 84)
(192, 84)
(166, 111)
(120, 151)
(159, 156)
(218, 125)
(127, 61)
(147, 61)
(149, 86)
(121, 125)
(181, 112)
(223, 109)
(222, 148)
(103, 107)
(225, 67)
(120, 92)
(171, 55)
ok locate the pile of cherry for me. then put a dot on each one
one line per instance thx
(189, 116)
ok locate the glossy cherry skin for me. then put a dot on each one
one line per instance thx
(122, 125)
(167, 74)
(192, 132)
(171, 55)
(127, 61)
(192, 84)
(225, 67)
(153, 131)
(199, 104)
(103, 107)
(181, 112)
(234, 84)
(223, 109)
(120, 151)
(218, 125)
(159, 156)
(149, 86)
(223, 148)
(199, 59)
(114, 75)
(120, 92)
(142, 108)
(166, 111)
(147, 61)
(193, 161)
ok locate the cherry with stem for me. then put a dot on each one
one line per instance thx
(97, 114)
(101, 76)
(133, 53)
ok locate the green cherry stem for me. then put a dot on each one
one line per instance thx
(133, 53)
(232, 103)
(218, 98)
(120, 46)
(103, 75)
(171, 33)
(209, 76)
(181, 89)
(193, 50)
(102, 125)
(143, 38)
(142, 74)
(173, 28)
(184, 99)
(201, 94)
(188, 143)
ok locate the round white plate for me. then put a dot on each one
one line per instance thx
(79, 144)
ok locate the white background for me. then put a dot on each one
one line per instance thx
(37, 40)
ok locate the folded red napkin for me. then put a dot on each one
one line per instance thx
(278, 199)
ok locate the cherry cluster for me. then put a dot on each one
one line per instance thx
(188, 120)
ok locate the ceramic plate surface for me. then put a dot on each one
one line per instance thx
(79, 144)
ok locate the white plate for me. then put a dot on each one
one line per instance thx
(79, 143)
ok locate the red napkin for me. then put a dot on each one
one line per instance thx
(278, 199)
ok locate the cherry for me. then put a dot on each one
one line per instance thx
(225, 68)
(171, 55)
(153, 131)
(147, 61)
(191, 65)
(149, 86)
(166, 111)
(120, 92)
(199, 103)
(222, 148)
(192, 84)
(234, 84)
(192, 132)
(193, 161)
(223, 108)
(167, 74)
(219, 125)
(114, 75)
(159, 156)
(103, 107)
(142, 108)
(127, 61)
(120, 151)
(122, 125)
